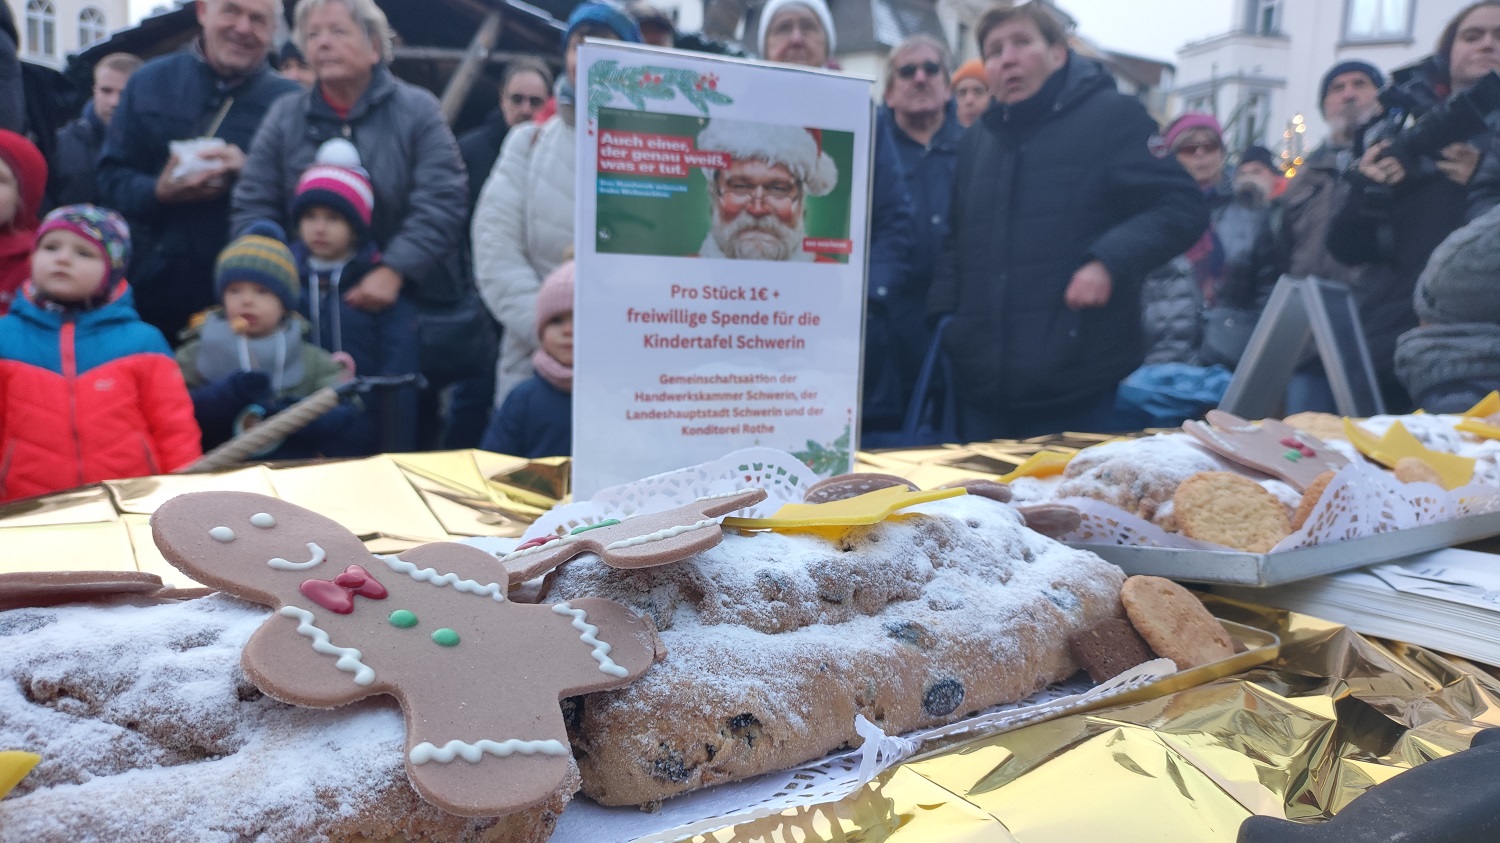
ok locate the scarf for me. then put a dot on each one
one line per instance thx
(222, 352)
(327, 278)
(553, 372)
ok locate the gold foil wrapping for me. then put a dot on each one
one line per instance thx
(1299, 738)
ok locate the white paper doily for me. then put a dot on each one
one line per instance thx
(829, 779)
(1361, 500)
(782, 475)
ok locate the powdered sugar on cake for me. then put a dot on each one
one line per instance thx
(148, 730)
(775, 640)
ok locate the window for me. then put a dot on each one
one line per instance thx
(1264, 17)
(1377, 20)
(41, 27)
(1257, 111)
(91, 26)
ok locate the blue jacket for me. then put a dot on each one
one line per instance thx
(72, 175)
(176, 97)
(536, 420)
(896, 336)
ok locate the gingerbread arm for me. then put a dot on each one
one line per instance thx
(600, 643)
(291, 659)
(460, 566)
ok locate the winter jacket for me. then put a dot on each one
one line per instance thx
(1294, 241)
(1448, 368)
(1043, 187)
(217, 403)
(72, 174)
(522, 225)
(88, 396)
(12, 86)
(1173, 298)
(536, 420)
(896, 338)
(1484, 186)
(480, 148)
(1392, 233)
(421, 190)
(176, 97)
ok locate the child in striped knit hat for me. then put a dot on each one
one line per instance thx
(334, 250)
(248, 358)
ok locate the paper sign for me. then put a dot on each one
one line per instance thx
(720, 240)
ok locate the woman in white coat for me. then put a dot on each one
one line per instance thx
(523, 223)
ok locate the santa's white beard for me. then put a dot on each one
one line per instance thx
(748, 237)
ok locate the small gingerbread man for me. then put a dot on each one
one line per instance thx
(1271, 446)
(478, 677)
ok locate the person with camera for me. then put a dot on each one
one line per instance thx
(1475, 52)
(1409, 189)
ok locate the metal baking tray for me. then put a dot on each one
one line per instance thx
(1234, 567)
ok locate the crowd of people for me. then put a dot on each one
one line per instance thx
(213, 240)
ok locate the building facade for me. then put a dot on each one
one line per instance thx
(51, 30)
(1261, 78)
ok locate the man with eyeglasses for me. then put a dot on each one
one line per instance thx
(801, 32)
(757, 203)
(524, 89)
(919, 124)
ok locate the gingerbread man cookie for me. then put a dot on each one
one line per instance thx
(641, 541)
(478, 677)
(1270, 446)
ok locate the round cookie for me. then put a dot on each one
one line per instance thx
(1324, 426)
(1416, 470)
(992, 489)
(1228, 509)
(1310, 499)
(1174, 623)
(842, 486)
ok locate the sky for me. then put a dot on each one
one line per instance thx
(1150, 28)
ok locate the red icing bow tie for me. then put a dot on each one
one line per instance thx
(337, 594)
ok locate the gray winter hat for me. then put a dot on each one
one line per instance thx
(1461, 282)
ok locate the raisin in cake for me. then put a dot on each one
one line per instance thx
(775, 641)
(149, 731)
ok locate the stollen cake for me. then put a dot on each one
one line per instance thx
(775, 641)
(149, 731)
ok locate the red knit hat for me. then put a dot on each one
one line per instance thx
(336, 180)
(30, 169)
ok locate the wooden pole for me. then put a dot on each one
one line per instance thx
(463, 78)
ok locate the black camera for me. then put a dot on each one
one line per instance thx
(1415, 94)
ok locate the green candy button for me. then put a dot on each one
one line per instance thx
(446, 637)
(403, 619)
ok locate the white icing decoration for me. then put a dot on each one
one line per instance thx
(263, 519)
(538, 548)
(430, 575)
(660, 534)
(287, 565)
(223, 534)
(601, 648)
(349, 658)
(471, 752)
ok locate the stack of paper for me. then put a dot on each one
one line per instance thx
(1447, 600)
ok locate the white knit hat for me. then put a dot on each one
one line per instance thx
(799, 150)
(818, 7)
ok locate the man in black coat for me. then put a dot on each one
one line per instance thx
(524, 89)
(1060, 208)
(179, 217)
(71, 174)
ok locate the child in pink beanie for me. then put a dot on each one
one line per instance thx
(536, 419)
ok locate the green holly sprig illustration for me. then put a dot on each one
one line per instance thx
(648, 82)
(827, 460)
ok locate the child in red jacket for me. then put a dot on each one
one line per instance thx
(88, 391)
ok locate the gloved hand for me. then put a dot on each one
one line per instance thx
(251, 387)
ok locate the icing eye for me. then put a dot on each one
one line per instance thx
(263, 519)
(223, 534)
